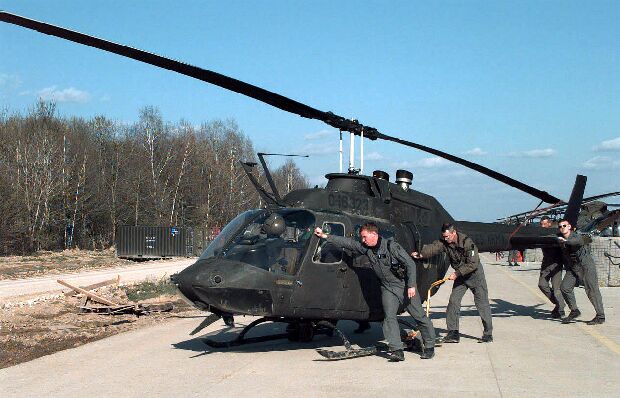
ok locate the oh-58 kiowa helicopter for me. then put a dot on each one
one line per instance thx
(267, 262)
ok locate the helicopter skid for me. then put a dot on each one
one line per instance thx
(296, 331)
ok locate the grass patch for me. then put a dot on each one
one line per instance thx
(149, 289)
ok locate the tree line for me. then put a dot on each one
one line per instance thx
(69, 182)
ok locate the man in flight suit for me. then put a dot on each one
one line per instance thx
(382, 257)
(579, 264)
(468, 274)
(551, 270)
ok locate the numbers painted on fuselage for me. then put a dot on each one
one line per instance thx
(346, 202)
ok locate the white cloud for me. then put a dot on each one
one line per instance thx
(70, 94)
(476, 152)
(318, 149)
(105, 98)
(534, 153)
(431, 163)
(601, 163)
(373, 156)
(318, 135)
(9, 81)
(609, 145)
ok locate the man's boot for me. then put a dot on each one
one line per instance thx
(597, 320)
(486, 338)
(556, 313)
(396, 355)
(452, 337)
(427, 353)
(571, 316)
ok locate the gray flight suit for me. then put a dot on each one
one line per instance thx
(393, 292)
(463, 257)
(551, 269)
(580, 264)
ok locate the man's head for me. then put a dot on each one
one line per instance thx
(369, 234)
(545, 222)
(448, 233)
(564, 227)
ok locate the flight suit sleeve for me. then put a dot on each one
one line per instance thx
(432, 249)
(576, 240)
(470, 260)
(346, 243)
(404, 257)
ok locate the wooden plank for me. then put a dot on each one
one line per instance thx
(95, 285)
(88, 294)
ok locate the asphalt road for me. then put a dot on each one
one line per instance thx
(48, 284)
(532, 356)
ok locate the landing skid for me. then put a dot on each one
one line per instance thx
(409, 338)
(296, 331)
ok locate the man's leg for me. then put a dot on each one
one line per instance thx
(590, 283)
(556, 282)
(543, 283)
(391, 330)
(414, 308)
(454, 304)
(567, 288)
(478, 285)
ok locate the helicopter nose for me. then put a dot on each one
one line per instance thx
(185, 282)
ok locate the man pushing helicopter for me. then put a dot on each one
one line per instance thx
(385, 258)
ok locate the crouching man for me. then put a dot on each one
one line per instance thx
(384, 255)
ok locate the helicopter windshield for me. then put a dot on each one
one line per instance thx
(245, 239)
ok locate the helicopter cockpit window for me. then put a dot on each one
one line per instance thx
(272, 241)
(326, 252)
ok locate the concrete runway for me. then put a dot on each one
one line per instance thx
(532, 356)
(11, 288)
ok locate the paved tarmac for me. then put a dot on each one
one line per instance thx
(11, 288)
(532, 356)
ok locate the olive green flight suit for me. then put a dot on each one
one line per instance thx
(393, 292)
(463, 257)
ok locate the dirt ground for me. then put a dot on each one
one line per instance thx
(29, 331)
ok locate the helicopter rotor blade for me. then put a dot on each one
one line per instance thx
(260, 94)
(574, 203)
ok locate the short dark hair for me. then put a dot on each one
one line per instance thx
(447, 227)
(370, 227)
(543, 218)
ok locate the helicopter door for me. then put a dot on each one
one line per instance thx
(323, 278)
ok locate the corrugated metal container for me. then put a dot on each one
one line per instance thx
(154, 242)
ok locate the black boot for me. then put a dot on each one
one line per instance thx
(452, 337)
(556, 313)
(597, 320)
(229, 320)
(571, 316)
(396, 355)
(362, 326)
(486, 338)
(427, 353)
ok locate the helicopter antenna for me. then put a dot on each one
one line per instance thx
(260, 94)
(272, 184)
(340, 151)
(362, 152)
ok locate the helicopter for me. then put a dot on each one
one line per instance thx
(267, 262)
(595, 216)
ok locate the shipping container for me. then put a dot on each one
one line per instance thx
(147, 242)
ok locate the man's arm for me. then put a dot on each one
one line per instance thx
(341, 241)
(429, 250)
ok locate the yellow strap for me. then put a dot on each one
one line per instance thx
(428, 296)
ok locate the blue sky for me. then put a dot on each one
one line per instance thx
(528, 88)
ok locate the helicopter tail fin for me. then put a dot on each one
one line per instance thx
(574, 203)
